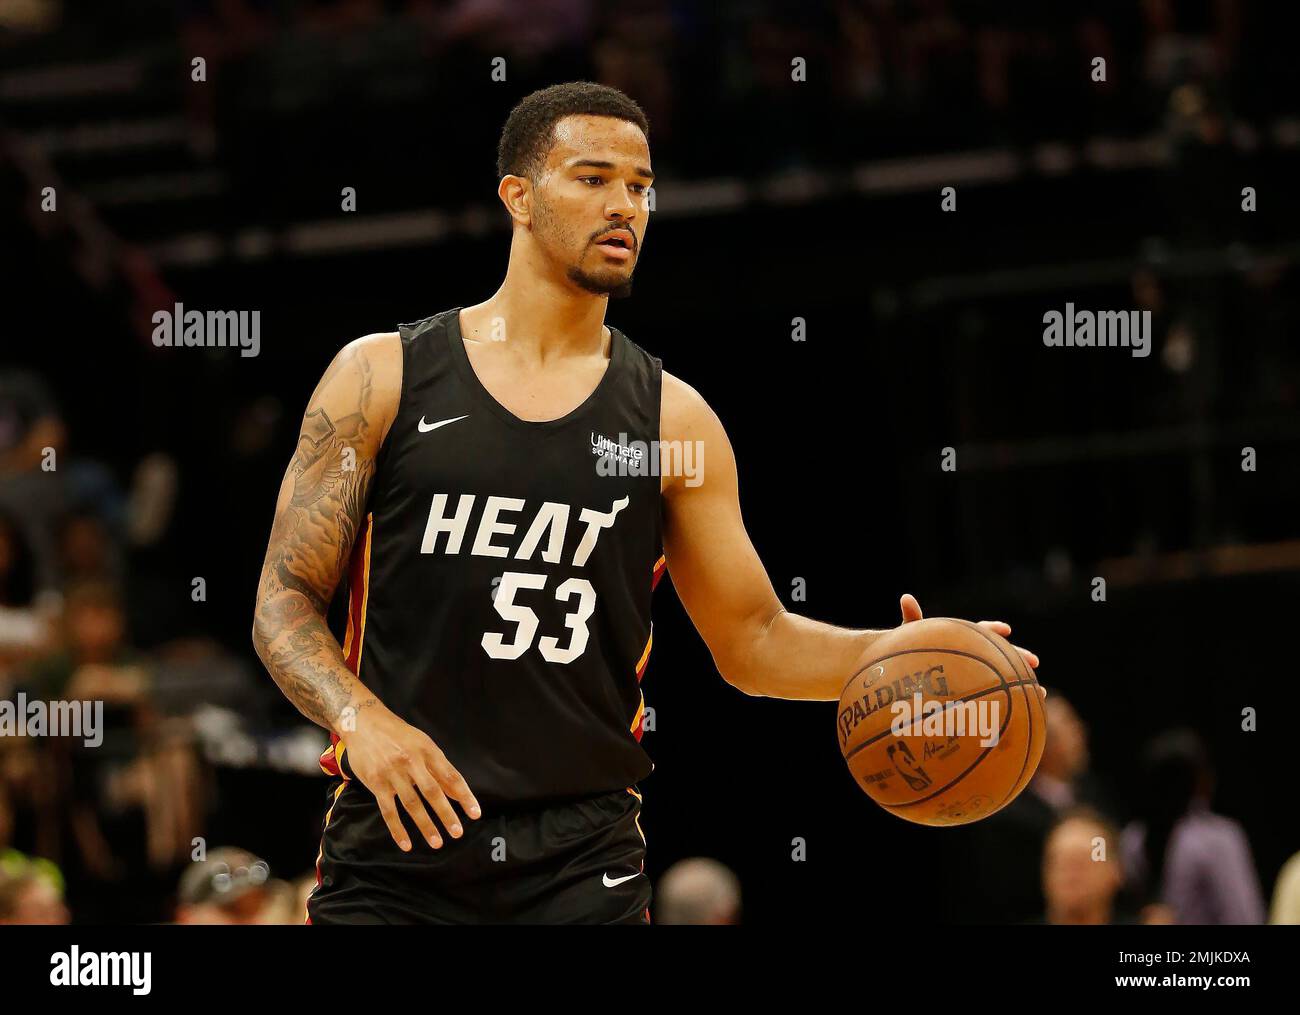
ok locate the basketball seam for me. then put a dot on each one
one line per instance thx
(902, 652)
(951, 701)
(965, 697)
(1029, 741)
(914, 651)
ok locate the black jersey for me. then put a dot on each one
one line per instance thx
(499, 592)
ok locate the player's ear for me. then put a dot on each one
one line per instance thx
(516, 193)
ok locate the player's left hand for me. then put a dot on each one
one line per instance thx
(911, 610)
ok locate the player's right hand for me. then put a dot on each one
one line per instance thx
(398, 762)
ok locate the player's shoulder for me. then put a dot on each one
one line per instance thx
(378, 345)
(372, 361)
(364, 377)
(682, 409)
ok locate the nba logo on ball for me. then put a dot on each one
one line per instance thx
(945, 725)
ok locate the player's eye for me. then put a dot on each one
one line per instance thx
(589, 179)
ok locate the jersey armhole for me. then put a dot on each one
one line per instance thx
(381, 456)
(659, 422)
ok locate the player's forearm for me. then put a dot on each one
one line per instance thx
(792, 656)
(305, 661)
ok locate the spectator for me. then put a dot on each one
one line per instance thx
(86, 551)
(25, 627)
(1180, 853)
(94, 660)
(29, 799)
(134, 802)
(31, 891)
(281, 907)
(1081, 870)
(698, 891)
(1286, 894)
(1007, 848)
(229, 887)
(32, 433)
(1065, 756)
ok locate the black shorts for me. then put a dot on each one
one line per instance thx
(580, 861)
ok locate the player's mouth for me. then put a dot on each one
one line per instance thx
(617, 244)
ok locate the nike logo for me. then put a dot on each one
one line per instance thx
(426, 427)
(611, 882)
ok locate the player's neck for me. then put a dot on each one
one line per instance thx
(542, 319)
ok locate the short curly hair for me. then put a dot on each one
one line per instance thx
(528, 134)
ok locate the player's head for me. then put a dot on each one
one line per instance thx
(574, 166)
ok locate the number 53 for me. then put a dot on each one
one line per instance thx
(494, 644)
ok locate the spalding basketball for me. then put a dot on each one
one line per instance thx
(944, 725)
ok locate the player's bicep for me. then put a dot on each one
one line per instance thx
(324, 493)
(715, 569)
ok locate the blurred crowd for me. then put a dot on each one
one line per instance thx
(1067, 851)
(887, 77)
(101, 831)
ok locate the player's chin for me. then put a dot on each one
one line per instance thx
(604, 281)
(612, 275)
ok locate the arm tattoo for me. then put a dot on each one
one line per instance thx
(322, 508)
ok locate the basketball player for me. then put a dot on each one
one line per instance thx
(471, 474)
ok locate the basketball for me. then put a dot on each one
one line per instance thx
(945, 725)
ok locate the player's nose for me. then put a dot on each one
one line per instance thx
(620, 204)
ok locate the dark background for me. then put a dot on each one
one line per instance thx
(774, 200)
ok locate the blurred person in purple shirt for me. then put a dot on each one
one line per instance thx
(1179, 852)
